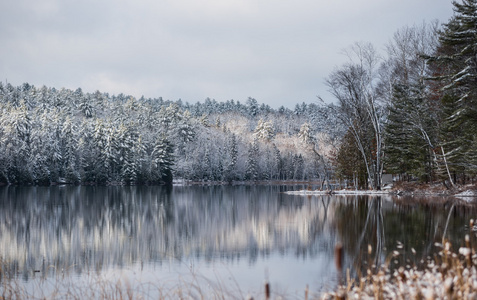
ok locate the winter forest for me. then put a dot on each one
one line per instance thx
(408, 108)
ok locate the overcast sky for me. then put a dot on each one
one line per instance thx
(276, 51)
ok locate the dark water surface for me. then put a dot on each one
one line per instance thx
(232, 238)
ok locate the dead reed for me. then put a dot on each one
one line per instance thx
(449, 274)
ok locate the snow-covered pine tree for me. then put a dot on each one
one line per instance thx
(184, 132)
(305, 134)
(251, 172)
(409, 134)
(126, 139)
(97, 152)
(15, 142)
(232, 157)
(278, 162)
(264, 130)
(252, 107)
(411, 126)
(455, 67)
(219, 170)
(163, 158)
(69, 147)
(207, 165)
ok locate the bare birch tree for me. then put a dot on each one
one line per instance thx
(354, 85)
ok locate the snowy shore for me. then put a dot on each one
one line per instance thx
(467, 195)
(340, 192)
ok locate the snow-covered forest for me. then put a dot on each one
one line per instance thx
(49, 135)
(410, 110)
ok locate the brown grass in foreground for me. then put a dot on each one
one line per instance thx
(448, 275)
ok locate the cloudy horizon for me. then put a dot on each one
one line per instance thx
(278, 52)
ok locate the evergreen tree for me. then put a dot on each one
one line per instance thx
(70, 168)
(185, 132)
(455, 68)
(16, 124)
(252, 107)
(126, 141)
(163, 158)
(264, 130)
(278, 162)
(409, 134)
(232, 152)
(349, 164)
(252, 161)
(305, 134)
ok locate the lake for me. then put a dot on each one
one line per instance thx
(229, 240)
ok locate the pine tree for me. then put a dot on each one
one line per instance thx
(459, 47)
(252, 107)
(410, 133)
(252, 162)
(264, 130)
(184, 132)
(305, 134)
(349, 164)
(163, 158)
(455, 68)
(457, 137)
(17, 130)
(98, 152)
(219, 171)
(69, 146)
(278, 162)
(126, 139)
(232, 152)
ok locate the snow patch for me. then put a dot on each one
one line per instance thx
(467, 193)
(338, 192)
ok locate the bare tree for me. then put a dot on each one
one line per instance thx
(406, 51)
(354, 85)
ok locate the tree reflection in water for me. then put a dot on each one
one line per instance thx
(410, 226)
(246, 228)
(92, 228)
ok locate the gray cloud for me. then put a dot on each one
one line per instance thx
(276, 51)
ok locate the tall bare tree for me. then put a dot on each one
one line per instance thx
(354, 85)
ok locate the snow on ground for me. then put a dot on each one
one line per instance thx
(339, 192)
(467, 193)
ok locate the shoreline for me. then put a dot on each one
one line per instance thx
(466, 193)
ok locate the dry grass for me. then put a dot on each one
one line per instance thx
(448, 275)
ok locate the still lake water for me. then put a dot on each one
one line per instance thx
(230, 238)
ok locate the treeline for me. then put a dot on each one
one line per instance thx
(63, 136)
(412, 113)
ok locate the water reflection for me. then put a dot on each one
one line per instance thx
(412, 226)
(80, 229)
(92, 227)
